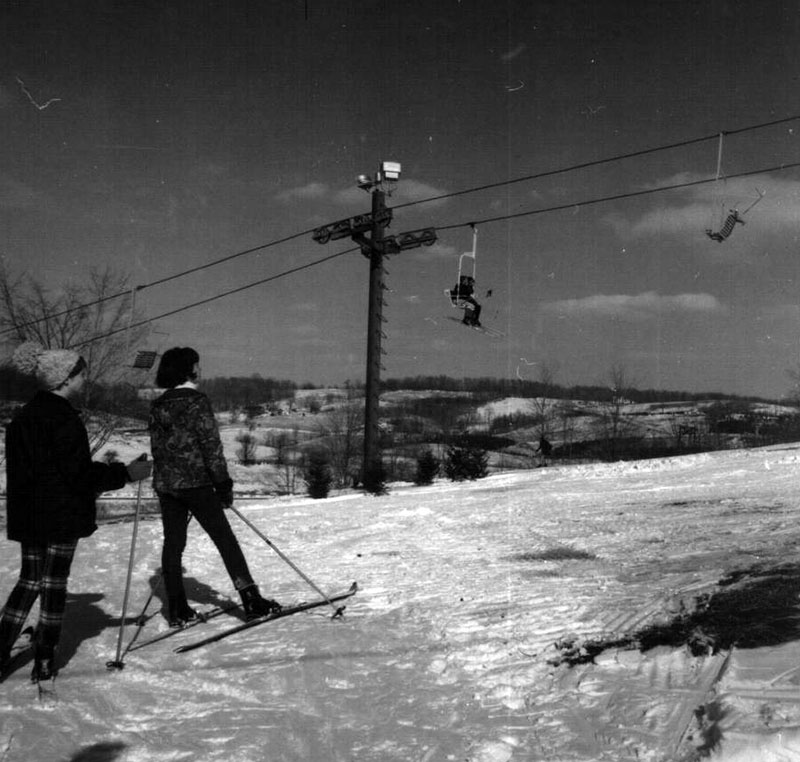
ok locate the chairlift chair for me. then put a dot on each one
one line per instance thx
(728, 223)
(464, 271)
(734, 217)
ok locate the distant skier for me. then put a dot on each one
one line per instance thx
(52, 484)
(463, 292)
(543, 450)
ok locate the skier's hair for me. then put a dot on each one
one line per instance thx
(176, 367)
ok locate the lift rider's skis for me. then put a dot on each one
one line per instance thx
(287, 611)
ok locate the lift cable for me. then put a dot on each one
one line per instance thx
(213, 298)
(466, 191)
(597, 162)
(487, 220)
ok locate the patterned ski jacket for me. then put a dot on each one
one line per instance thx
(185, 443)
(52, 481)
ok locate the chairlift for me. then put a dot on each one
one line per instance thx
(466, 275)
(727, 223)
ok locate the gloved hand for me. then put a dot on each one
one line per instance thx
(224, 492)
(139, 469)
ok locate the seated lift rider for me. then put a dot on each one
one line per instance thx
(463, 292)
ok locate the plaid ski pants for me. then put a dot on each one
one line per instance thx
(44, 574)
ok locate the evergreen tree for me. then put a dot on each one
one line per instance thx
(317, 474)
(427, 468)
(465, 460)
(375, 479)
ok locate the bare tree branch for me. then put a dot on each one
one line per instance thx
(76, 314)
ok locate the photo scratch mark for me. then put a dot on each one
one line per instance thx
(42, 106)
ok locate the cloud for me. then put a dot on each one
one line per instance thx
(705, 206)
(646, 305)
(402, 193)
(308, 191)
(354, 197)
(437, 250)
(413, 190)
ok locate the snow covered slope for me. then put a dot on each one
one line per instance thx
(477, 603)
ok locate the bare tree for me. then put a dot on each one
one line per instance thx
(567, 413)
(285, 445)
(615, 422)
(543, 407)
(342, 429)
(90, 317)
(248, 445)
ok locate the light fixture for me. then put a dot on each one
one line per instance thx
(390, 170)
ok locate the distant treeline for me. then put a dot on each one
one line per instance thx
(500, 387)
(239, 392)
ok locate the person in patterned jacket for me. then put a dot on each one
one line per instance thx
(190, 477)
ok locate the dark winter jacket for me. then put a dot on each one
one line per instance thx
(464, 289)
(52, 481)
(184, 440)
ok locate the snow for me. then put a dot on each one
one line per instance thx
(453, 648)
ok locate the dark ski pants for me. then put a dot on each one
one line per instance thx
(44, 573)
(471, 315)
(204, 505)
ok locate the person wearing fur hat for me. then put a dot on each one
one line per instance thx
(52, 484)
(190, 477)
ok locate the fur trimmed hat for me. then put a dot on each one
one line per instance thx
(52, 367)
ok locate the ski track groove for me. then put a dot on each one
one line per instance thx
(472, 630)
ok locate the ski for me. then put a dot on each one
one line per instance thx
(21, 647)
(48, 697)
(493, 332)
(23, 643)
(479, 328)
(284, 612)
(202, 618)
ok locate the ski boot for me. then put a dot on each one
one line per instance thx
(254, 605)
(44, 668)
(180, 612)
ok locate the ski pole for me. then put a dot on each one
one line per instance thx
(118, 663)
(338, 611)
(141, 620)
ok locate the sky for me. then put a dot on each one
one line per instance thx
(159, 137)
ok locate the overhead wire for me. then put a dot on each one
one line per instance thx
(161, 281)
(499, 218)
(617, 197)
(454, 194)
(597, 162)
(199, 303)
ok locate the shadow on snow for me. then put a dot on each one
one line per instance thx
(752, 608)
